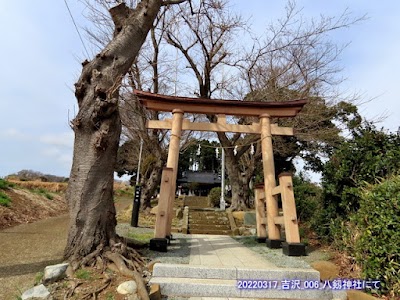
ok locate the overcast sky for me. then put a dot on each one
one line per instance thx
(41, 56)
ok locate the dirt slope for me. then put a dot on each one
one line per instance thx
(28, 206)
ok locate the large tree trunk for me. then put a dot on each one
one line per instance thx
(239, 192)
(151, 183)
(238, 201)
(97, 130)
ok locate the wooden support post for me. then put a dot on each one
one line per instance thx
(269, 180)
(163, 209)
(289, 208)
(292, 246)
(260, 213)
(172, 161)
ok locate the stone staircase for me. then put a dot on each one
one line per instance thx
(208, 221)
(205, 220)
(195, 202)
(222, 282)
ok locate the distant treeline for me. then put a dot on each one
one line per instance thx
(30, 175)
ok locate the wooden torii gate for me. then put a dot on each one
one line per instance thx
(266, 196)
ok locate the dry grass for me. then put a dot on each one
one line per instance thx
(347, 265)
(56, 187)
(148, 220)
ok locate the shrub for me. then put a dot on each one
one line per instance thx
(44, 193)
(308, 198)
(368, 155)
(214, 197)
(4, 184)
(4, 200)
(378, 221)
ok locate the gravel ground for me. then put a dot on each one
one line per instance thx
(278, 258)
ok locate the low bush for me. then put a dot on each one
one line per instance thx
(214, 197)
(308, 197)
(4, 184)
(4, 200)
(378, 222)
(44, 193)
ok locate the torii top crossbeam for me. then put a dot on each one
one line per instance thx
(224, 107)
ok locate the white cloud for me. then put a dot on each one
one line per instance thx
(52, 151)
(65, 139)
(58, 156)
(66, 160)
(15, 134)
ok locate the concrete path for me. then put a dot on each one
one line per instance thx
(217, 264)
(26, 250)
(222, 250)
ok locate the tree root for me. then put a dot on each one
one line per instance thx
(97, 291)
(142, 291)
(119, 258)
(71, 291)
(119, 262)
(88, 258)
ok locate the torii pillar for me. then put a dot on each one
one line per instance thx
(172, 161)
(168, 186)
(274, 240)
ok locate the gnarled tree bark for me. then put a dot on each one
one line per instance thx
(97, 130)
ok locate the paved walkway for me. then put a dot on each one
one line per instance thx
(216, 264)
(221, 250)
(26, 250)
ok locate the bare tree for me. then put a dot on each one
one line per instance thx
(206, 39)
(294, 59)
(97, 128)
(297, 60)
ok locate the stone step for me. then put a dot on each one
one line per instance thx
(208, 221)
(210, 231)
(207, 209)
(207, 281)
(183, 280)
(225, 298)
(228, 288)
(228, 272)
(222, 217)
(208, 216)
(206, 212)
(210, 227)
(196, 202)
(336, 295)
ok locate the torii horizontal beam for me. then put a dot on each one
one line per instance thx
(219, 127)
(225, 107)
